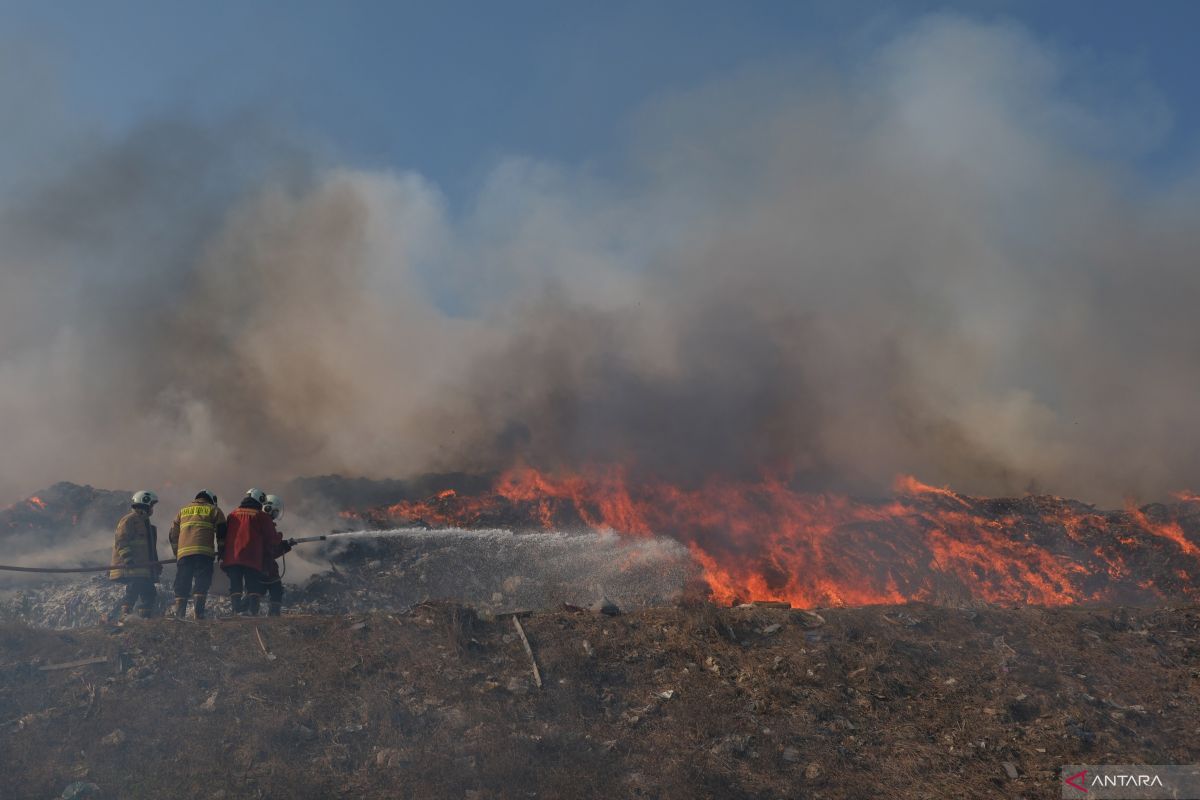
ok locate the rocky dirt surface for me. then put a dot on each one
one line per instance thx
(686, 701)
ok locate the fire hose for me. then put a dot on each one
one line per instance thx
(6, 568)
(293, 542)
(106, 567)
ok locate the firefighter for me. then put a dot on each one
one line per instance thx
(272, 580)
(249, 536)
(135, 551)
(196, 535)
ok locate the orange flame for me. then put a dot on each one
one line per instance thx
(763, 540)
(1168, 529)
(37, 503)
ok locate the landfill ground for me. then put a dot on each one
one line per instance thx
(681, 701)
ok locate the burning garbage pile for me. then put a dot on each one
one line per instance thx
(64, 506)
(525, 540)
(64, 526)
(766, 541)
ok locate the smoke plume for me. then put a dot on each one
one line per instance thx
(943, 261)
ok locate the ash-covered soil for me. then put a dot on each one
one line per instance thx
(675, 702)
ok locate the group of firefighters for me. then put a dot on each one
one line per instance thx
(246, 544)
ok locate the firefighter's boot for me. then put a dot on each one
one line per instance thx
(238, 602)
(145, 611)
(198, 603)
(180, 608)
(254, 603)
(274, 609)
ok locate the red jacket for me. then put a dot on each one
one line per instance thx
(270, 568)
(249, 537)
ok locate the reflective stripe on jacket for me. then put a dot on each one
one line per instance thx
(136, 543)
(198, 528)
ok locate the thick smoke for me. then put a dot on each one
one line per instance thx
(941, 262)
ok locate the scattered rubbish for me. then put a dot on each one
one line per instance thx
(389, 757)
(902, 618)
(1083, 734)
(732, 744)
(80, 790)
(537, 676)
(263, 645)
(391, 571)
(809, 619)
(83, 662)
(303, 732)
(606, 607)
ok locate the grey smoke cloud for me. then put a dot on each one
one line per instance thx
(942, 263)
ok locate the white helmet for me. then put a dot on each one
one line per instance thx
(257, 495)
(144, 498)
(273, 506)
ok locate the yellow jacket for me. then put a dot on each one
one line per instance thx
(136, 543)
(198, 528)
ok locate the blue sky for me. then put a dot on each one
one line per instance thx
(448, 88)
